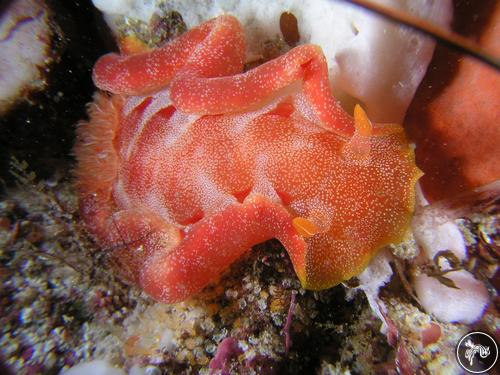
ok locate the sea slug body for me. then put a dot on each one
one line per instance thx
(190, 161)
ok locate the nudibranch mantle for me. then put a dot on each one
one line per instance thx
(191, 161)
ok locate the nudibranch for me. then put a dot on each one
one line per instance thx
(189, 162)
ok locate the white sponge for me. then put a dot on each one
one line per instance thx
(97, 367)
(464, 305)
(371, 61)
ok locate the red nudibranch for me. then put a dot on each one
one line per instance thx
(192, 161)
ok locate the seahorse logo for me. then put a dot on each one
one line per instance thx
(484, 351)
(477, 352)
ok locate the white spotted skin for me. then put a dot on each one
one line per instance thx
(205, 163)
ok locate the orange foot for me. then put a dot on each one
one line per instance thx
(191, 162)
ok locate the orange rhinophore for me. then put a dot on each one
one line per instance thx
(190, 162)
